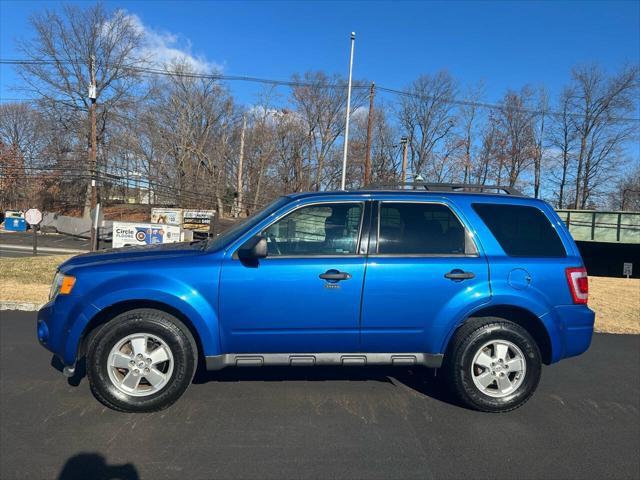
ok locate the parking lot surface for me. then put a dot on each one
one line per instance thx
(320, 423)
(20, 244)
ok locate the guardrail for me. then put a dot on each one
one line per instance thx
(599, 226)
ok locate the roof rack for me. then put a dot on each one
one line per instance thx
(445, 187)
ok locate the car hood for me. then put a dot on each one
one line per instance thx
(127, 254)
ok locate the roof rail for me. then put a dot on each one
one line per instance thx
(445, 187)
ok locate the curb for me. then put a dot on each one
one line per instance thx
(10, 246)
(22, 306)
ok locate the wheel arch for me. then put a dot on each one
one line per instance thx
(520, 316)
(102, 317)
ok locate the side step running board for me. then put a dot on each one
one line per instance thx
(217, 362)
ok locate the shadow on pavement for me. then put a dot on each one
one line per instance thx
(421, 380)
(93, 466)
(80, 373)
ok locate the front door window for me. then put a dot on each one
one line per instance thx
(328, 229)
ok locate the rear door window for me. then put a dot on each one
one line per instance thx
(522, 231)
(421, 229)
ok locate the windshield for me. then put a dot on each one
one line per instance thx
(242, 226)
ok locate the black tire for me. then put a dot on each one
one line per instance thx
(464, 345)
(155, 322)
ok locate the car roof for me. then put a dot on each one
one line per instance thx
(376, 193)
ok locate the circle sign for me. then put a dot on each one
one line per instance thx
(33, 216)
(140, 236)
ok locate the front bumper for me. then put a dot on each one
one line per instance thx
(60, 326)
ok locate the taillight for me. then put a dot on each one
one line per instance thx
(578, 284)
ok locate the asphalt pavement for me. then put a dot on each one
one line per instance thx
(284, 423)
(20, 244)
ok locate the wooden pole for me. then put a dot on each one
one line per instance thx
(367, 155)
(239, 185)
(403, 142)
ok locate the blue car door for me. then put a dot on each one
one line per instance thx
(423, 269)
(305, 295)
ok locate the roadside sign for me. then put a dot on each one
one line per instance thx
(168, 216)
(186, 218)
(627, 269)
(33, 216)
(197, 219)
(129, 233)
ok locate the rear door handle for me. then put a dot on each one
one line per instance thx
(334, 275)
(458, 275)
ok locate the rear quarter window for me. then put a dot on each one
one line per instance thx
(522, 231)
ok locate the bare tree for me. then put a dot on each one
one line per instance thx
(60, 57)
(515, 129)
(321, 101)
(292, 165)
(562, 138)
(21, 129)
(626, 196)
(489, 151)
(539, 138)
(385, 159)
(28, 145)
(598, 104)
(261, 145)
(385, 156)
(469, 119)
(189, 118)
(427, 116)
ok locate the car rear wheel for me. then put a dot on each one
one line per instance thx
(493, 365)
(141, 361)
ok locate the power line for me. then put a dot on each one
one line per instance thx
(139, 182)
(207, 76)
(493, 106)
(296, 83)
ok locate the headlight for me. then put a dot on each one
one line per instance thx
(62, 284)
(55, 286)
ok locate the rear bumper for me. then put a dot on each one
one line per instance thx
(574, 325)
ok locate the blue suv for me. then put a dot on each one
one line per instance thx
(481, 282)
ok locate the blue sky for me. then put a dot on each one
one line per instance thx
(505, 44)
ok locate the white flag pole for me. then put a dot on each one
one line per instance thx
(346, 125)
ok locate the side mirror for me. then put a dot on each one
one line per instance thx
(253, 249)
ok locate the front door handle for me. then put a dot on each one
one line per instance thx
(334, 275)
(458, 275)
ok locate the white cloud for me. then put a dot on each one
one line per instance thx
(359, 113)
(162, 47)
(259, 112)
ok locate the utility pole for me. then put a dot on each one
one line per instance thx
(240, 162)
(93, 151)
(367, 154)
(403, 142)
(346, 125)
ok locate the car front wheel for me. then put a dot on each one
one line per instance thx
(141, 361)
(493, 365)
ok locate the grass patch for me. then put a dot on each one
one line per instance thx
(27, 279)
(23, 292)
(616, 301)
(31, 269)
